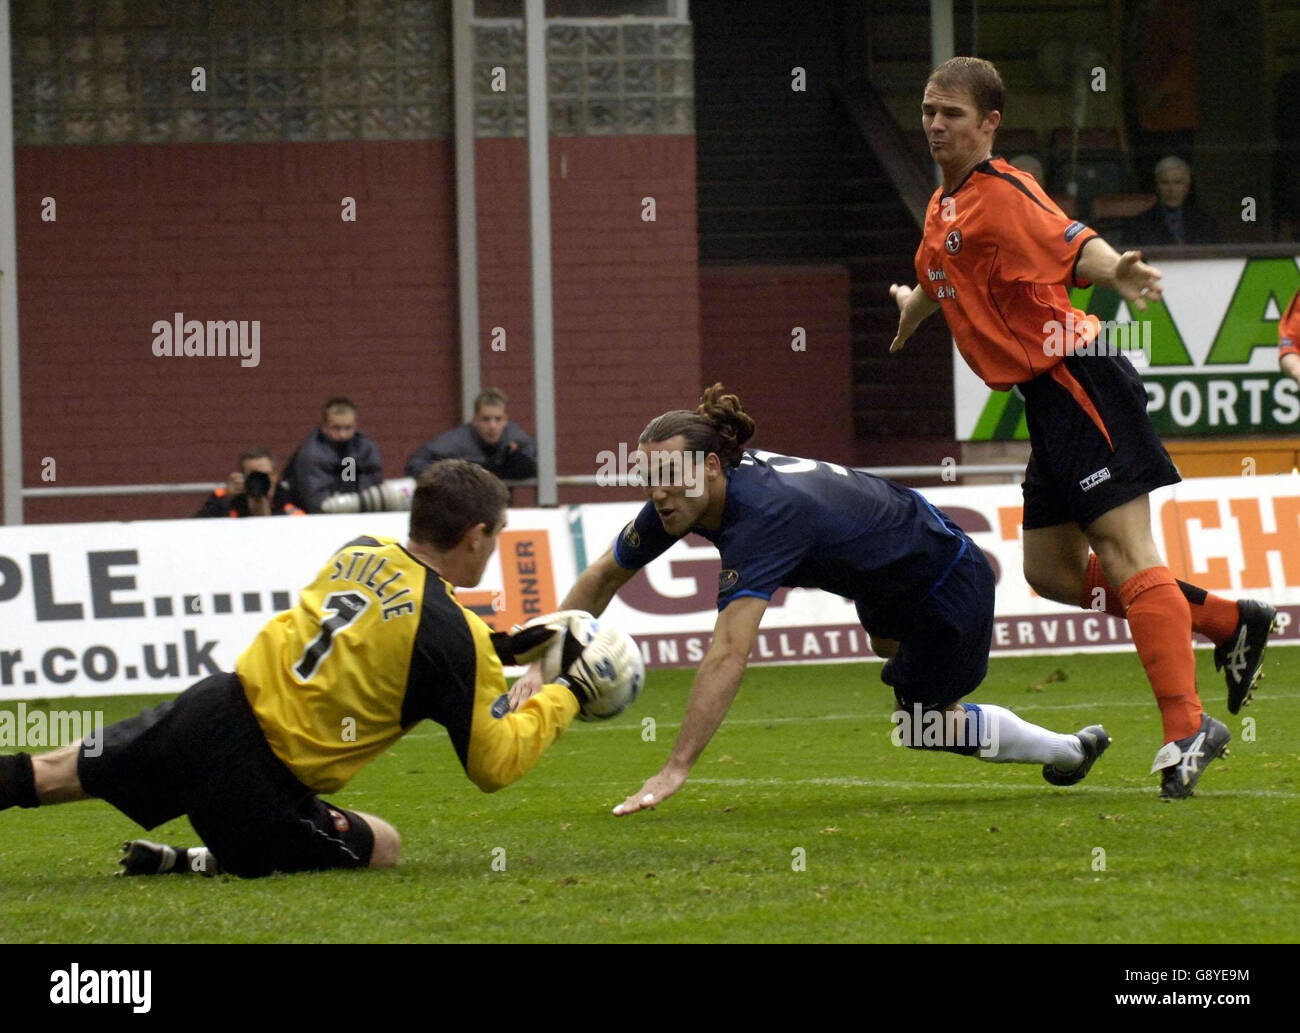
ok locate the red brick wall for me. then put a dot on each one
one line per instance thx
(626, 290)
(366, 309)
(801, 400)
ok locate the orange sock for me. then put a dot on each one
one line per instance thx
(1212, 615)
(1160, 619)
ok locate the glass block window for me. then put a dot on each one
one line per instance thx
(116, 71)
(229, 71)
(613, 66)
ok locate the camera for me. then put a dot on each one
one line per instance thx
(257, 485)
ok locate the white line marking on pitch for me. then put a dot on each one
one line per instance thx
(889, 783)
(883, 718)
(1081, 707)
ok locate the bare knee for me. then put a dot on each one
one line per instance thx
(1122, 540)
(56, 775)
(1122, 558)
(885, 648)
(388, 844)
(1056, 577)
(1038, 577)
(1056, 560)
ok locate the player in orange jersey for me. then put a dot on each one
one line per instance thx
(996, 256)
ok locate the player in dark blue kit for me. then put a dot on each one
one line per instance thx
(923, 590)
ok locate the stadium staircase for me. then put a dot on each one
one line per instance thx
(788, 177)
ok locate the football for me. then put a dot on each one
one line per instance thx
(616, 672)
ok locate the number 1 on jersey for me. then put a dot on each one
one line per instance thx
(346, 607)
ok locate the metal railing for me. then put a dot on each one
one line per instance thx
(945, 473)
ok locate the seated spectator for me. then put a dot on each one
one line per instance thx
(1171, 220)
(490, 440)
(255, 489)
(337, 458)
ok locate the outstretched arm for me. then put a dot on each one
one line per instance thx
(1291, 366)
(503, 748)
(914, 305)
(593, 590)
(597, 585)
(716, 684)
(1126, 274)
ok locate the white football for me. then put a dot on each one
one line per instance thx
(616, 670)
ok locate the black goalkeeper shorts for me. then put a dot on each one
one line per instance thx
(204, 755)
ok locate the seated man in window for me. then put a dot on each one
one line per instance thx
(1172, 219)
(335, 458)
(491, 440)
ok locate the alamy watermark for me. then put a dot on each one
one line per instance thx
(655, 468)
(42, 729)
(1112, 338)
(75, 985)
(922, 729)
(216, 338)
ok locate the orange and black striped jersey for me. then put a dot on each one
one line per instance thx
(377, 643)
(1288, 329)
(997, 254)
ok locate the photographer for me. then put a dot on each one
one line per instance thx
(254, 489)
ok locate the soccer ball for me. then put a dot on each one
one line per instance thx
(617, 674)
(612, 668)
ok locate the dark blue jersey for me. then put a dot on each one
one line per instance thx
(799, 523)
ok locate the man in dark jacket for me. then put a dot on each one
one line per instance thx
(490, 440)
(336, 458)
(1171, 220)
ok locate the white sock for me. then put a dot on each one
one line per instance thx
(1005, 738)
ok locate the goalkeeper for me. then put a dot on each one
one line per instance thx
(376, 644)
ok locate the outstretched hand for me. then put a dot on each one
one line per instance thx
(655, 791)
(1136, 281)
(900, 294)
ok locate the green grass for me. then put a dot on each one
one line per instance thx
(899, 845)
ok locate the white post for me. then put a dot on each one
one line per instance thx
(539, 210)
(11, 427)
(942, 37)
(462, 49)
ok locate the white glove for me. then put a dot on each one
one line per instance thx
(607, 676)
(555, 639)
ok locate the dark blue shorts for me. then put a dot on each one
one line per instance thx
(946, 654)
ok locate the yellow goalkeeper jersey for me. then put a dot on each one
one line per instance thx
(377, 643)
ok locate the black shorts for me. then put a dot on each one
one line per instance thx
(946, 655)
(1085, 463)
(204, 755)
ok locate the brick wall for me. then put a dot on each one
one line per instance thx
(626, 290)
(365, 309)
(801, 400)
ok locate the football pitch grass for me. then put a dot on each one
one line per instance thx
(802, 822)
